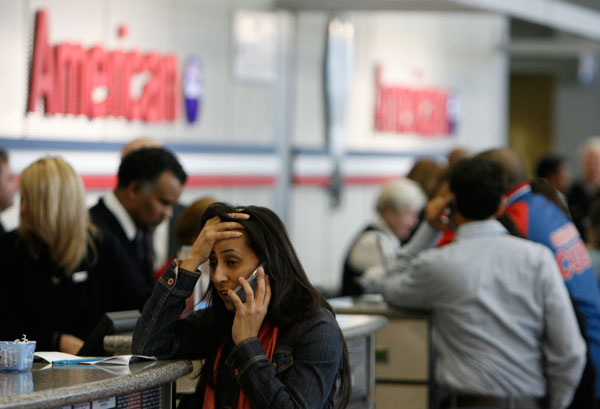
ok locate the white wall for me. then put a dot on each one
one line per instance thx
(576, 118)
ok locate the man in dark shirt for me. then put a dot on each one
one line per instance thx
(150, 181)
(555, 169)
(587, 188)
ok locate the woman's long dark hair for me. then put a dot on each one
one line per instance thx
(293, 298)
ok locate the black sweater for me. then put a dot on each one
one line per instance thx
(37, 299)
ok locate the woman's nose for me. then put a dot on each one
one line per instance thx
(219, 275)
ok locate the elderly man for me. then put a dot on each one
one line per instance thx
(150, 181)
(377, 245)
(505, 332)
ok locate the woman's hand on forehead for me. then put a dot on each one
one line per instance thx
(213, 231)
(243, 216)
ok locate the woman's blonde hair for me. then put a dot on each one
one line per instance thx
(53, 198)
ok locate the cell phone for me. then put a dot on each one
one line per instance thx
(239, 290)
(448, 211)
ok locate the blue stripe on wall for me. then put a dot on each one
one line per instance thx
(53, 144)
(50, 144)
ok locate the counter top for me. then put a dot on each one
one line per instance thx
(46, 386)
(352, 325)
(372, 304)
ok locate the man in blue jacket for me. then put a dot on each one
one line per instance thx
(540, 220)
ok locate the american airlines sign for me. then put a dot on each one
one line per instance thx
(96, 82)
(431, 112)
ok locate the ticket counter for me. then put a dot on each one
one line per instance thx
(359, 332)
(151, 385)
(404, 358)
(148, 385)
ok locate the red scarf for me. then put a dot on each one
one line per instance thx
(267, 336)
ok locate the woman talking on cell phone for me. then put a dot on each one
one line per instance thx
(281, 348)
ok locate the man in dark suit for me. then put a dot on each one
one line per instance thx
(150, 181)
(164, 238)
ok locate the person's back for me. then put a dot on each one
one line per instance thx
(488, 330)
(504, 328)
(44, 302)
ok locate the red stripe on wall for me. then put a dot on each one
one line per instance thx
(215, 180)
(369, 180)
(323, 181)
(103, 182)
(106, 182)
(312, 180)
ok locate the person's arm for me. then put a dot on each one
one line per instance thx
(563, 346)
(412, 281)
(159, 332)
(307, 383)
(427, 233)
(415, 283)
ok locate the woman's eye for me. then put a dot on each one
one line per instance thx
(231, 262)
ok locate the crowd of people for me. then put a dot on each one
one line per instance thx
(507, 264)
(487, 258)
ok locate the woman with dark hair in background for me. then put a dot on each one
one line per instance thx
(281, 348)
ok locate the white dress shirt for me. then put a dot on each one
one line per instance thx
(114, 205)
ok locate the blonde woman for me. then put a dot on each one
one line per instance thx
(60, 274)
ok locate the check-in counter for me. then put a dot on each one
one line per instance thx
(148, 385)
(359, 332)
(404, 363)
